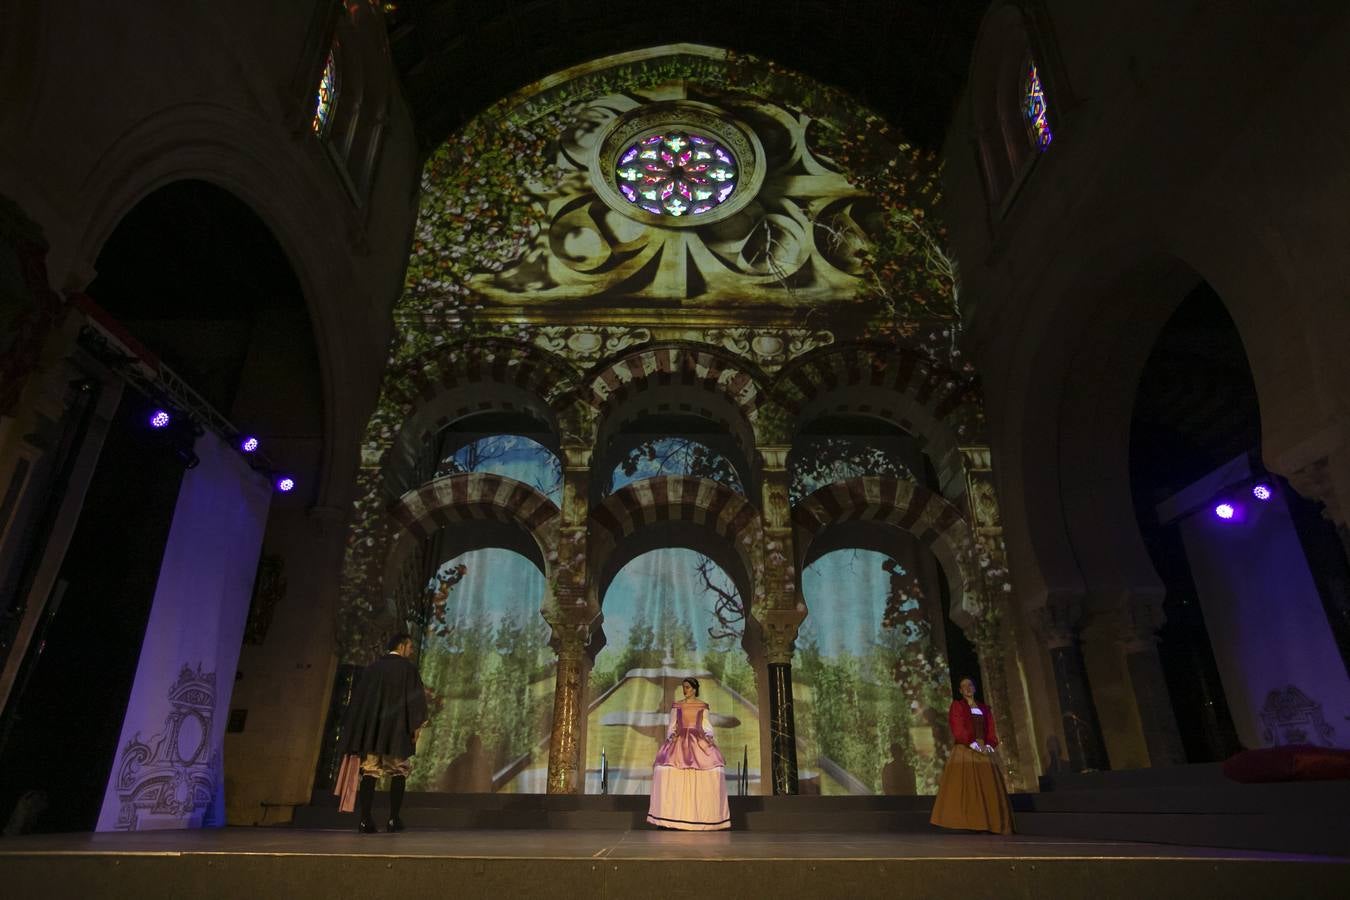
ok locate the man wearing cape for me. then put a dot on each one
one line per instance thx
(379, 732)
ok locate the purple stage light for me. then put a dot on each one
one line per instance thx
(1261, 492)
(248, 444)
(1225, 511)
(159, 418)
(285, 484)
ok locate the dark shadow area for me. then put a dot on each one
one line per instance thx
(1195, 410)
(62, 724)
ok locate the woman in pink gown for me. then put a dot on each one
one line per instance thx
(689, 785)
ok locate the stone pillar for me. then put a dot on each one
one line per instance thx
(1317, 481)
(571, 613)
(988, 632)
(564, 746)
(989, 644)
(1326, 480)
(1058, 623)
(1139, 639)
(783, 612)
(780, 635)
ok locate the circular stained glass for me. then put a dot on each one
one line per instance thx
(676, 173)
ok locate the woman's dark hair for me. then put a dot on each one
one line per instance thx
(396, 639)
(693, 683)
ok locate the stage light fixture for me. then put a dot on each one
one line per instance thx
(1225, 511)
(160, 418)
(1261, 491)
(285, 484)
(248, 444)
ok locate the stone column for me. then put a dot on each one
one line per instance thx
(1317, 481)
(780, 635)
(564, 746)
(571, 614)
(1058, 623)
(1139, 639)
(1326, 480)
(989, 644)
(988, 632)
(783, 612)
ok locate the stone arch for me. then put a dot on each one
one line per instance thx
(481, 501)
(255, 161)
(940, 408)
(1077, 533)
(678, 510)
(453, 382)
(681, 380)
(903, 506)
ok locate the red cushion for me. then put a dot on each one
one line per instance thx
(1293, 762)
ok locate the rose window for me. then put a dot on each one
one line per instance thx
(676, 173)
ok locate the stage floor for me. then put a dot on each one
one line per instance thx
(265, 862)
(647, 845)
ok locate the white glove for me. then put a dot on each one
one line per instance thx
(988, 749)
(975, 745)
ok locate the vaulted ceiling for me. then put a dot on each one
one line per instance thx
(907, 59)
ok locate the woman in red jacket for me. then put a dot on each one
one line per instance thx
(971, 795)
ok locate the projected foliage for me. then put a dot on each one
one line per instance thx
(486, 661)
(853, 718)
(528, 289)
(667, 618)
(675, 456)
(511, 455)
(818, 461)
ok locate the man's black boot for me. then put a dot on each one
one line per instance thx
(365, 798)
(397, 784)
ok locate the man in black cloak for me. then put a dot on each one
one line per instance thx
(379, 731)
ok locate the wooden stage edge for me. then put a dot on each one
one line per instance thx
(300, 863)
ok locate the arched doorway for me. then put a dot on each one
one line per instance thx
(196, 278)
(485, 660)
(669, 614)
(1233, 544)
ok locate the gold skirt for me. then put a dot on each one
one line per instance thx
(972, 795)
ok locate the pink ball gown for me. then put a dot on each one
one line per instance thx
(689, 785)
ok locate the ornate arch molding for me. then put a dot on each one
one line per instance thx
(616, 383)
(682, 380)
(906, 507)
(240, 153)
(703, 514)
(452, 382)
(468, 499)
(940, 408)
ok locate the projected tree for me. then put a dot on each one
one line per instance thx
(675, 456)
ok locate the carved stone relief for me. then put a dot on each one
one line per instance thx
(798, 239)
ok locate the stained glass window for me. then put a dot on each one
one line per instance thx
(1035, 110)
(326, 98)
(677, 173)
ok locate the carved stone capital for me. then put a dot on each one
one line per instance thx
(780, 633)
(1057, 621)
(576, 458)
(1139, 622)
(1314, 481)
(571, 620)
(774, 457)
